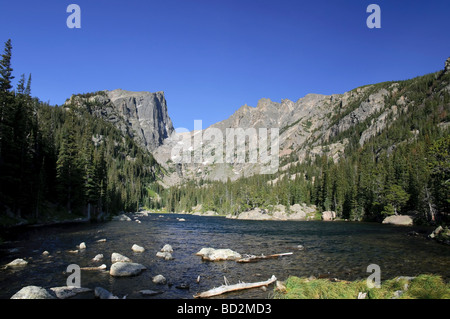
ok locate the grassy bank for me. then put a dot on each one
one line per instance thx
(420, 287)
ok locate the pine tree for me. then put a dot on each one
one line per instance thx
(28, 86)
(6, 99)
(6, 69)
(69, 172)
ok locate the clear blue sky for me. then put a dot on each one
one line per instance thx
(212, 56)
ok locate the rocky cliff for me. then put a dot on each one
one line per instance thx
(312, 126)
(141, 115)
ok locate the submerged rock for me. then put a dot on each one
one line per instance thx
(32, 292)
(148, 292)
(126, 269)
(122, 218)
(103, 293)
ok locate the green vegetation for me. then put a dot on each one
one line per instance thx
(420, 287)
(60, 163)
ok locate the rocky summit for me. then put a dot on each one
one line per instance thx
(141, 115)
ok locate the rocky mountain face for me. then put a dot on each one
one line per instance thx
(309, 127)
(289, 131)
(141, 115)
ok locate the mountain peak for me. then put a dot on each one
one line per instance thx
(141, 115)
(120, 93)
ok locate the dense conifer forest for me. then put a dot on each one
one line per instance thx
(61, 162)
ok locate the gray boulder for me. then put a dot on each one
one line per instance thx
(32, 292)
(212, 254)
(167, 248)
(68, 291)
(19, 262)
(116, 257)
(126, 269)
(98, 257)
(159, 279)
(402, 220)
(137, 248)
(328, 215)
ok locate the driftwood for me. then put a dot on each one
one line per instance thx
(253, 258)
(102, 267)
(228, 288)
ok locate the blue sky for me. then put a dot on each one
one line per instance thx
(212, 56)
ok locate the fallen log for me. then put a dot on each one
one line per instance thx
(102, 267)
(229, 288)
(253, 258)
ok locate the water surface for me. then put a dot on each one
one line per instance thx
(332, 249)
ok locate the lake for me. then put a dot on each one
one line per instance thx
(340, 250)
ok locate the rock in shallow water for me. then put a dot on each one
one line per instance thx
(32, 292)
(126, 269)
(212, 254)
(403, 220)
(68, 291)
(116, 257)
(159, 279)
(103, 293)
(167, 248)
(148, 292)
(165, 255)
(137, 248)
(19, 262)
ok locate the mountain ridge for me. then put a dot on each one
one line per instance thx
(312, 126)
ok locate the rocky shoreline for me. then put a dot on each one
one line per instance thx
(276, 212)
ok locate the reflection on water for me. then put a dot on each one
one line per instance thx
(336, 249)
